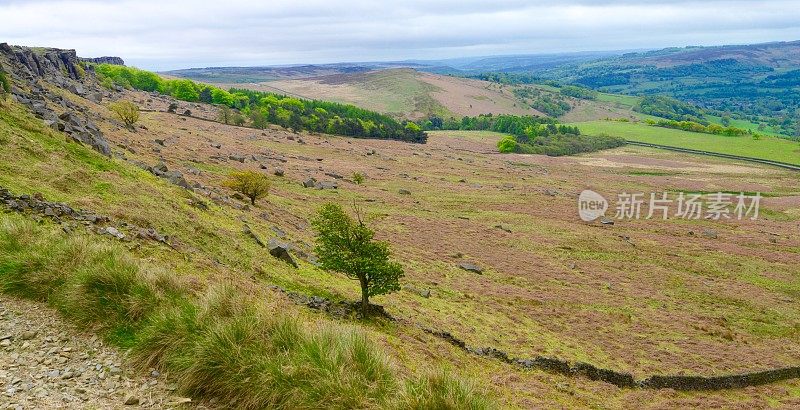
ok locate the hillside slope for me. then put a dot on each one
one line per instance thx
(404, 93)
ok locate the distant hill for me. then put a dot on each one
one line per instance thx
(759, 83)
(404, 93)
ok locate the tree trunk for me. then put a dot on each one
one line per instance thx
(364, 297)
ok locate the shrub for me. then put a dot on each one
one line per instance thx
(250, 184)
(5, 84)
(346, 246)
(126, 111)
(358, 178)
(507, 145)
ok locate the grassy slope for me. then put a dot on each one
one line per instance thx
(771, 148)
(190, 312)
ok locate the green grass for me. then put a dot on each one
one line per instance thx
(769, 148)
(220, 344)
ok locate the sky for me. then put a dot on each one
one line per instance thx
(163, 34)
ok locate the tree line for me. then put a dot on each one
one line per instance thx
(262, 108)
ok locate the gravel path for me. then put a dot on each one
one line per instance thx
(46, 363)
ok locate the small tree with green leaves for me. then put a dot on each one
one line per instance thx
(251, 184)
(225, 115)
(346, 245)
(358, 178)
(507, 145)
(126, 111)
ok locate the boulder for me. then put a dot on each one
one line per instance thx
(470, 267)
(278, 172)
(326, 185)
(710, 233)
(310, 183)
(280, 250)
(111, 231)
(402, 191)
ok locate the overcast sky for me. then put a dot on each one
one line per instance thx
(164, 34)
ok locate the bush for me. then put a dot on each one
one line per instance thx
(126, 111)
(250, 184)
(5, 84)
(507, 145)
(358, 178)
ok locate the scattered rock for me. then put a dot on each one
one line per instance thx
(278, 172)
(710, 233)
(606, 221)
(111, 231)
(402, 191)
(327, 185)
(470, 267)
(310, 183)
(280, 250)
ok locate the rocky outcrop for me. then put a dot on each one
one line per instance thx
(104, 60)
(54, 64)
(32, 69)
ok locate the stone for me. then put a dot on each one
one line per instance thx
(606, 221)
(238, 158)
(278, 172)
(326, 185)
(310, 183)
(131, 400)
(28, 335)
(710, 233)
(470, 267)
(402, 191)
(280, 250)
(111, 231)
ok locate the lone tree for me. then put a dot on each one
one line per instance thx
(225, 115)
(346, 245)
(127, 111)
(250, 184)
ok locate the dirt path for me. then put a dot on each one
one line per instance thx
(47, 363)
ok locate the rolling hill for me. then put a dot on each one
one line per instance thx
(404, 92)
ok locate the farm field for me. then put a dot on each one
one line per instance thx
(768, 147)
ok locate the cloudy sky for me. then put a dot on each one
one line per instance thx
(168, 34)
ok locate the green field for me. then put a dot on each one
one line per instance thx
(770, 148)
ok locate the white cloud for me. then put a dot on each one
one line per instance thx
(173, 34)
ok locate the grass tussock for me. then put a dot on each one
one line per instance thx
(221, 344)
(444, 391)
